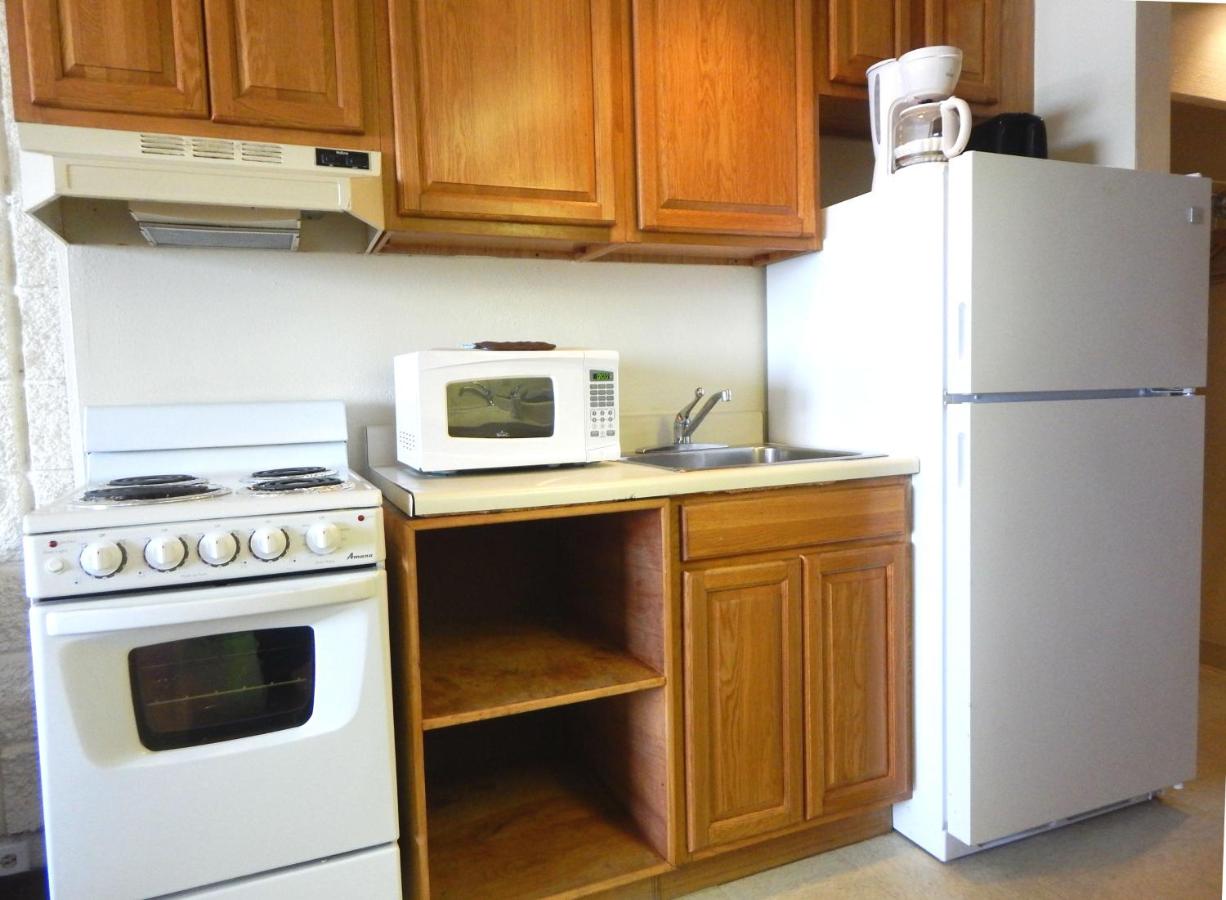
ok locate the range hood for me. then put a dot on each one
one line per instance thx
(98, 186)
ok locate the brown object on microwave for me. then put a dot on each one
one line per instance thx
(514, 345)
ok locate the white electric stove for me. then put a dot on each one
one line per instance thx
(209, 632)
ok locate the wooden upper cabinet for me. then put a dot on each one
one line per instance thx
(857, 738)
(975, 27)
(141, 56)
(286, 63)
(505, 110)
(743, 700)
(724, 106)
(860, 33)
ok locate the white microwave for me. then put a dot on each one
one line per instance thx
(458, 410)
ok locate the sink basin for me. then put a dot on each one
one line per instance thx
(732, 457)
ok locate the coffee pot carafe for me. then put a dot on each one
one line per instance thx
(914, 93)
(931, 132)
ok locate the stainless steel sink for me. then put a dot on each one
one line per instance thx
(732, 457)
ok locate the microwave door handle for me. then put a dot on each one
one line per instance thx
(212, 603)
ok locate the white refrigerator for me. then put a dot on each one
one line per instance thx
(1034, 332)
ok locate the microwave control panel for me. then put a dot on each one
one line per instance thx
(602, 404)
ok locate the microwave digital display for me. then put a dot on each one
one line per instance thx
(598, 375)
(501, 408)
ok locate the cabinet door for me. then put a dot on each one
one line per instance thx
(505, 110)
(286, 63)
(133, 56)
(743, 701)
(975, 27)
(723, 94)
(857, 745)
(860, 33)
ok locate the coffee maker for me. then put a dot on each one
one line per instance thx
(913, 116)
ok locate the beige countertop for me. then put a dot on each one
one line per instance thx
(430, 495)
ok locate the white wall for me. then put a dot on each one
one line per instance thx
(1101, 81)
(1198, 53)
(166, 326)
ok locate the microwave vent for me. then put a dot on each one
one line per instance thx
(407, 441)
(163, 145)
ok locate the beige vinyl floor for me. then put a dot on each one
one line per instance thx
(1166, 848)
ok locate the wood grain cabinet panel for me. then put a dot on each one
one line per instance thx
(139, 56)
(802, 517)
(286, 63)
(857, 721)
(743, 700)
(724, 106)
(860, 33)
(975, 27)
(505, 110)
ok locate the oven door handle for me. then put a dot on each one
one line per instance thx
(208, 604)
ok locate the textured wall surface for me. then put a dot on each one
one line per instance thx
(35, 455)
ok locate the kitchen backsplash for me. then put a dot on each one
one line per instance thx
(171, 326)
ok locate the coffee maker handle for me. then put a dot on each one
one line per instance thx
(951, 144)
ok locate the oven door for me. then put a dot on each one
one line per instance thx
(196, 736)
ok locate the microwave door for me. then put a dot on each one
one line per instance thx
(501, 408)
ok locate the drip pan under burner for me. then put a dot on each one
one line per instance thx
(291, 472)
(296, 485)
(138, 480)
(138, 494)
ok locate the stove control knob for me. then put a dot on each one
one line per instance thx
(269, 543)
(218, 548)
(102, 559)
(323, 538)
(165, 553)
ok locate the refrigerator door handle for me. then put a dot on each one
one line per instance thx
(961, 458)
(961, 331)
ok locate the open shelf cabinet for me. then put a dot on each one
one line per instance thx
(527, 807)
(535, 684)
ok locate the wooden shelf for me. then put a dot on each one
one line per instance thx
(481, 670)
(531, 832)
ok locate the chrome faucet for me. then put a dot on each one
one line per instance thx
(684, 426)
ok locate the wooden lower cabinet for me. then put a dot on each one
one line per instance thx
(856, 699)
(743, 700)
(583, 709)
(824, 627)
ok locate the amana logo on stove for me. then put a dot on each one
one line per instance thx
(360, 556)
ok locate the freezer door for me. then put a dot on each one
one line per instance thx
(1065, 276)
(1072, 607)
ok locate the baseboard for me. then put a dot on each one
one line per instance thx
(734, 864)
(1212, 654)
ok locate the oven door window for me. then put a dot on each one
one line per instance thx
(500, 408)
(222, 686)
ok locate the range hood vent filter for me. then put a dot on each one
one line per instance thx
(207, 236)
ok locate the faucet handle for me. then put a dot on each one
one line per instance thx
(699, 393)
